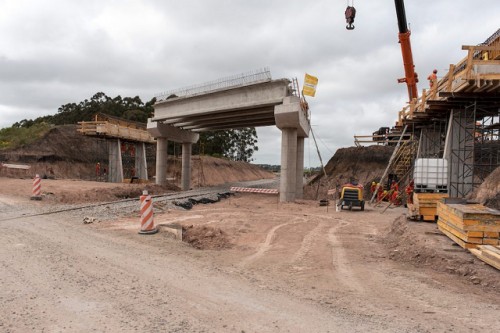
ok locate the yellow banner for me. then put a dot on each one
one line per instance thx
(310, 83)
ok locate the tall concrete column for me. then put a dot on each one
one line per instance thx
(460, 154)
(161, 161)
(186, 166)
(115, 161)
(140, 161)
(299, 192)
(288, 178)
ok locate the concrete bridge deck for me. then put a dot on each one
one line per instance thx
(246, 103)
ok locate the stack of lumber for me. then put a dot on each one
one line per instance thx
(425, 205)
(489, 254)
(469, 225)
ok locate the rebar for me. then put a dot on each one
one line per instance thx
(239, 80)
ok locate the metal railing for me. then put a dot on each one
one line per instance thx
(239, 80)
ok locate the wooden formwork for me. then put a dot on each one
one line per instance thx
(425, 205)
(469, 225)
(489, 254)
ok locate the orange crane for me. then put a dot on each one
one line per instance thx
(411, 77)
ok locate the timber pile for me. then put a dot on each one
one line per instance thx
(469, 225)
(425, 204)
(489, 254)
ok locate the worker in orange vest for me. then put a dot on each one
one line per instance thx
(409, 192)
(394, 186)
(395, 200)
(380, 193)
(98, 170)
(432, 78)
(373, 187)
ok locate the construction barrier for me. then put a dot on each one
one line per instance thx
(254, 190)
(147, 220)
(36, 193)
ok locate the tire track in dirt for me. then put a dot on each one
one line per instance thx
(340, 262)
(299, 259)
(266, 245)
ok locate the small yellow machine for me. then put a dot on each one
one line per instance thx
(352, 196)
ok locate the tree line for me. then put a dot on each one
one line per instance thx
(234, 144)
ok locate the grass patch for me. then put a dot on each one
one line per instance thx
(15, 137)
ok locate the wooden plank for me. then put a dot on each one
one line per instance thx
(457, 240)
(494, 249)
(458, 233)
(481, 47)
(489, 254)
(490, 241)
(484, 257)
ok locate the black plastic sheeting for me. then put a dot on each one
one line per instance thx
(190, 202)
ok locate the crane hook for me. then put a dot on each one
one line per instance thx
(350, 14)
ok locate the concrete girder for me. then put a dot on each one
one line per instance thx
(230, 100)
(235, 122)
(235, 126)
(225, 116)
(159, 130)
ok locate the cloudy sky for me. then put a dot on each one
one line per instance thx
(56, 52)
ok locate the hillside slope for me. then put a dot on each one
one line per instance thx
(365, 164)
(67, 154)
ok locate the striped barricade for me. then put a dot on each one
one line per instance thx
(254, 190)
(147, 219)
(36, 193)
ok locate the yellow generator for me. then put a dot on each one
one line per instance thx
(352, 196)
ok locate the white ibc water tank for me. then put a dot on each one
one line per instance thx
(431, 175)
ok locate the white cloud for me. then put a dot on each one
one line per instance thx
(54, 52)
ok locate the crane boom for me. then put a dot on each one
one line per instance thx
(411, 78)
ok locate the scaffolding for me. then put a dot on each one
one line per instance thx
(474, 148)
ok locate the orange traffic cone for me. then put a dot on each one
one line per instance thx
(147, 220)
(36, 194)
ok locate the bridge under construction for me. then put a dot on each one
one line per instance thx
(457, 120)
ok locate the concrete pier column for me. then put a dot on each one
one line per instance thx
(186, 166)
(288, 176)
(161, 161)
(115, 174)
(299, 192)
(141, 170)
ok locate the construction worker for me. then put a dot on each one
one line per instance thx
(373, 187)
(394, 186)
(395, 198)
(432, 79)
(98, 170)
(380, 193)
(409, 192)
(385, 195)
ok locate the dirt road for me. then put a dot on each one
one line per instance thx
(284, 268)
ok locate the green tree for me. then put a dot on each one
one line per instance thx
(234, 144)
(131, 108)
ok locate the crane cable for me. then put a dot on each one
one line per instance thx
(315, 143)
